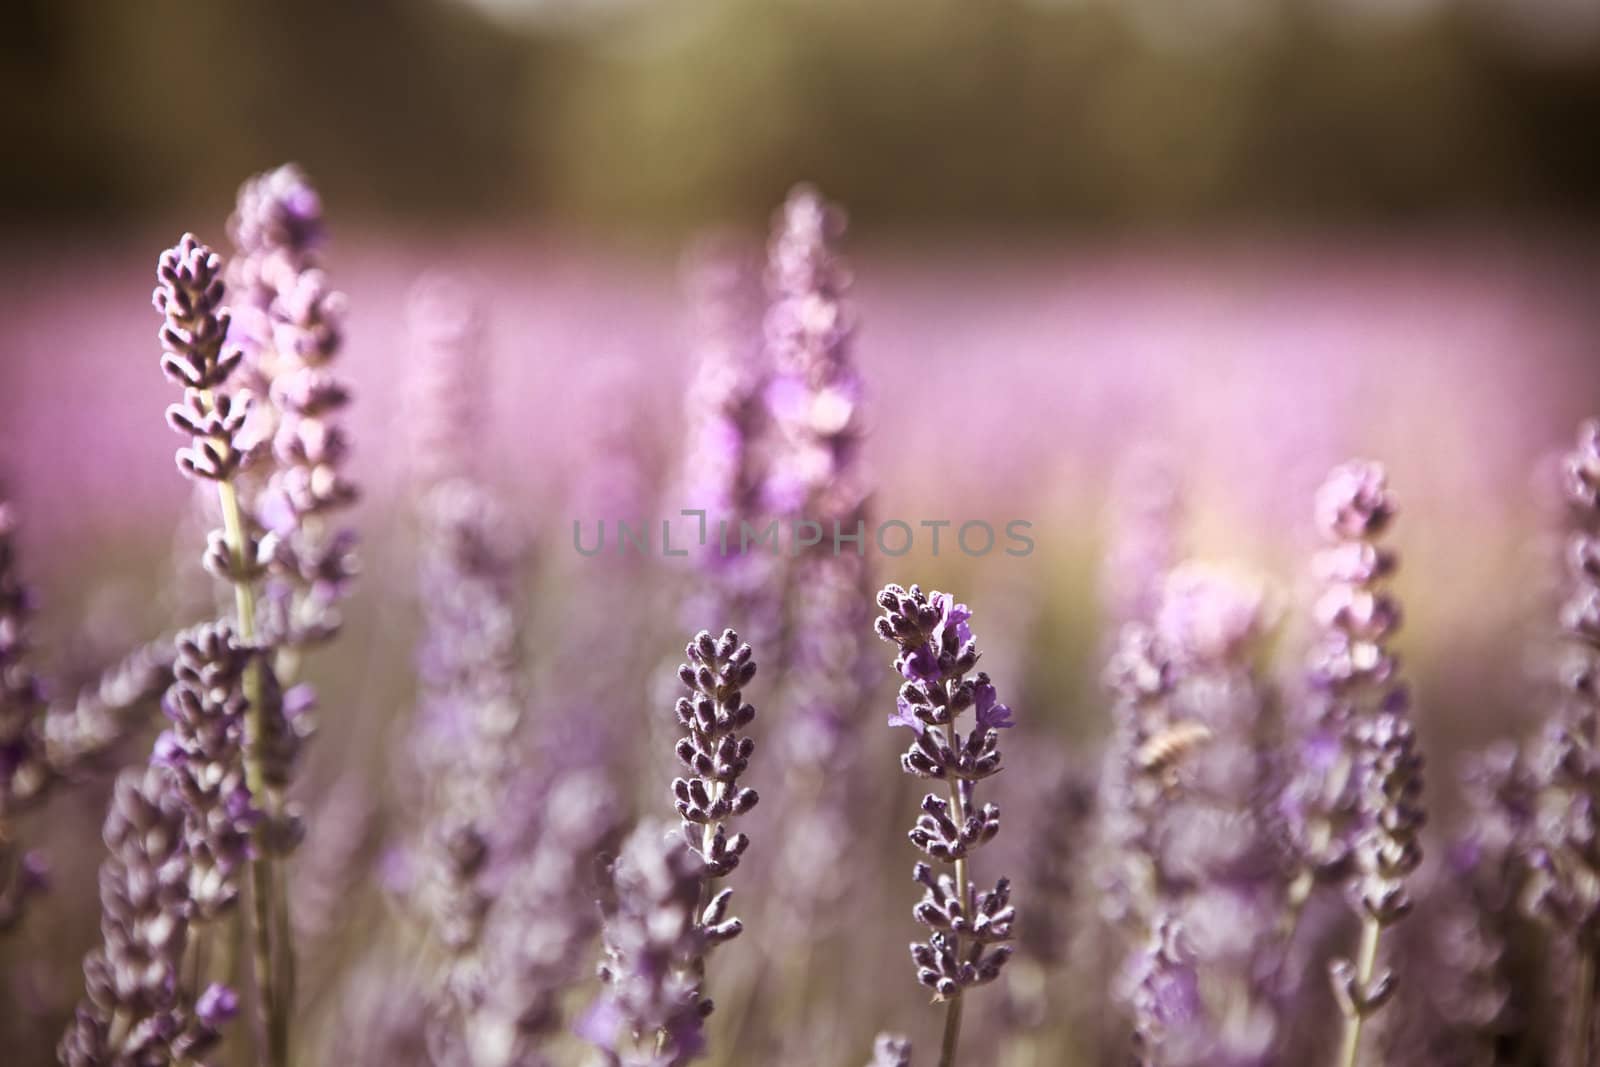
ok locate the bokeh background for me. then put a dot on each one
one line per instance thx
(1249, 239)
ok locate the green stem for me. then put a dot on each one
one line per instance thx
(1583, 1008)
(952, 1017)
(261, 875)
(283, 996)
(1366, 963)
(952, 1032)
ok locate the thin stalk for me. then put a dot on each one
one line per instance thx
(1583, 1009)
(261, 873)
(952, 1032)
(952, 1017)
(1366, 963)
(283, 929)
(698, 967)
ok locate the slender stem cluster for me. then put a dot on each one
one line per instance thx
(668, 915)
(1142, 751)
(542, 925)
(1166, 995)
(1479, 997)
(205, 749)
(715, 753)
(726, 456)
(138, 1009)
(651, 1013)
(970, 931)
(1566, 852)
(472, 697)
(813, 406)
(1204, 865)
(815, 397)
(1376, 844)
(25, 771)
(291, 328)
(472, 702)
(197, 356)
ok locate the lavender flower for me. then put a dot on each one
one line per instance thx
(277, 232)
(668, 916)
(205, 749)
(1350, 666)
(198, 357)
(970, 930)
(815, 395)
(80, 732)
(134, 1011)
(716, 754)
(1476, 995)
(727, 419)
(1056, 880)
(293, 331)
(471, 703)
(1141, 675)
(1356, 809)
(651, 1013)
(1471, 995)
(814, 400)
(277, 229)
(1566, 851)
(42, 745)
(1197, 812)
(890, 1050)
(812, 425)
(1167, 999)
(24, 767)
(1387, 850)
(542, 924)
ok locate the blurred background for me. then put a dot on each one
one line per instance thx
(1248, 238)
(645, 118)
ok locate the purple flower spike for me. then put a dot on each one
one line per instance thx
(1188, 825)
(25, 773)
(1354, 808)
(133, 1010)
(196, 355)
(1352, 670)
(969, 931)
(814, 401)
(291, 324)
(651, 1013)
(815, 397)
(1565, 823)
(205, 750)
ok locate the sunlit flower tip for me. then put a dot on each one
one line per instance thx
(1354, 502)
(992, 715)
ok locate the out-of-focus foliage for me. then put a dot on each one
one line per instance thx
(652, 116)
